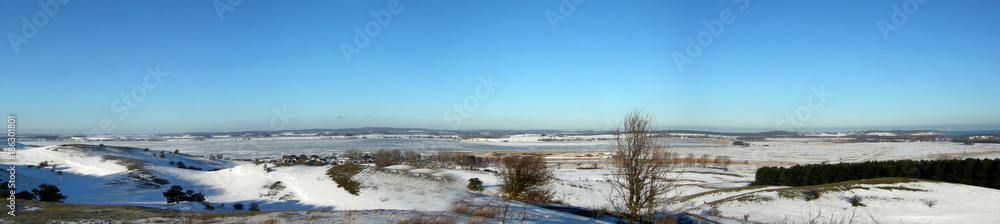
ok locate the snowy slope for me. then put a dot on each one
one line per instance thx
(895, 201)
(118, 175)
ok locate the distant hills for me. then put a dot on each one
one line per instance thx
(487, 133)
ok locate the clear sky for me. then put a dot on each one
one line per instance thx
(269, 65)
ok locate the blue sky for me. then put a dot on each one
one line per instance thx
(266, 65)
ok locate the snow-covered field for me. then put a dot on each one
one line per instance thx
(276, 147)
(895, 202)
(804, 152)
(112, 175)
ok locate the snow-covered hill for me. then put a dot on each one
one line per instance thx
(100, 175)
(121, 175)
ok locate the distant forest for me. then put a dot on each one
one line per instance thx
(976, 172)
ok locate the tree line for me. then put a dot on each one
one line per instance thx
(976, 172)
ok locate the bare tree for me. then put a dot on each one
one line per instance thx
(411, 156)
(691, 160)
(383, 158)
(640, 185)
(704, 160)
(444, 158)
(725, 161)
(397, 155)
(524, 178)
(353, 154)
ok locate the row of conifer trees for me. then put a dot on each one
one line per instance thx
(976, 172)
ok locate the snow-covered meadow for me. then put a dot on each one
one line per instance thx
(276, 147)
(109, 175)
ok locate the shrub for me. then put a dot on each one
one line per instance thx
(24, 195)
(540, 195)
(856, 201)
(253, 207)
(523, 177)
(811, 194)
(475, 184)
(161, 181)
(4, 190)
(176, 194)
(208, 206)
(196, 197)
(930, 202)
(713, 211)
(383, 158)
(462, 207)
(172, 163)
(48, 192)
(274, 189)
(238, 206)
(342, 174)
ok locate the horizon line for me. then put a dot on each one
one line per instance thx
(963, 127)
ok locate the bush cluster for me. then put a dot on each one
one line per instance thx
(176, 194)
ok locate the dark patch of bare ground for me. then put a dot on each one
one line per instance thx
(51, 212)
